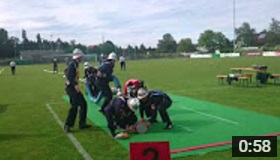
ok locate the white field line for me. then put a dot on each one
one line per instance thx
(184, 127)
(72, 138)
(212, 116)
(2, 70)
(49, 71)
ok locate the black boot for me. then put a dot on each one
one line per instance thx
(67, 129)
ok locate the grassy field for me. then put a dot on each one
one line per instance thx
(28, 130)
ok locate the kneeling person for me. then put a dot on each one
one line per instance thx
(121, 113)
(153, 101)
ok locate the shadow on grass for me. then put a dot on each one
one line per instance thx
(254, 85)
(3, 107)
(180, 126)
(13, 136)
(93, 128)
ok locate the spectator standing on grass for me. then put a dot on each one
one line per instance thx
(66, 61)
(75, 95)
(13, 67)
(154, 101)
(55, 66)
(122, 62)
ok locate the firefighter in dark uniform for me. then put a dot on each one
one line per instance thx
(55, 66)
(75, 95)
(103, 77)
(121, 113)
(152, 102)
(90, 78)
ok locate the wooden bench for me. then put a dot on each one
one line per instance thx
(276, 77)
(221, 78)
(249, 75)
(243, 79)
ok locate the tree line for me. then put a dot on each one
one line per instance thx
(209, 41)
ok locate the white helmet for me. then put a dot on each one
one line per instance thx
(133, 104)
(142, 93)
(77, 53)
(112, 56)
(86, 64)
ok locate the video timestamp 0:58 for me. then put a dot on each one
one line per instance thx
(254, 146)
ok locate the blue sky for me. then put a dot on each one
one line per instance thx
(132, 22)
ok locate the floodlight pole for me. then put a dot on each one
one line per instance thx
(234, 36)
(15, 49)
(51, 42)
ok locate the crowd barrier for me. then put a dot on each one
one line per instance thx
(225, 55)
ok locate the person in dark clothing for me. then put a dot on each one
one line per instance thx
(13, 67)
(104, 76)
(55, 66)
(75, 95)
(152, 102)
(121, 113)
(90, 78)
(122, 62)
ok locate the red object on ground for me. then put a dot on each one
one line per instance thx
(149, 150)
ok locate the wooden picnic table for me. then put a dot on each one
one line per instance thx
(258, 72)
(248, 69)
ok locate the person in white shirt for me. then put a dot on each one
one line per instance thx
(13, 67)
(122, 62)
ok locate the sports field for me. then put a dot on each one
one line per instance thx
(203, 111)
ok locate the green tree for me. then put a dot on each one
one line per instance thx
(271, 40)
(136, 49)
(246, 34)
(142, 49)
(15, 42)
(272, 37)
(167, 44)
(107, 47)
(3, 35)
(73, 44)
(25, 42)
(274, 26)
(118, 50)
(130, 50)
(7, 48)
(185, 45)
(95, 49)
(213, 41)
(58, 44)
